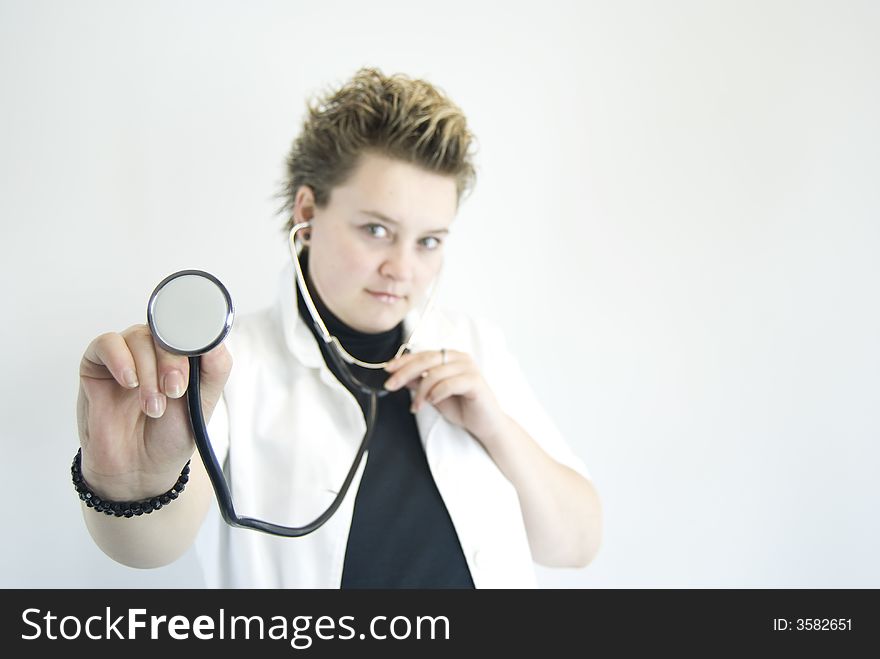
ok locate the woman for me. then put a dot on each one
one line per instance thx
(466, 481)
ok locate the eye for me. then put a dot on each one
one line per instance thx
(376, 230)
(431, 242)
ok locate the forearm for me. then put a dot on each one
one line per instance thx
(157, 539)
(561, 509)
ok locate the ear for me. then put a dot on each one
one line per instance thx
(304, 209)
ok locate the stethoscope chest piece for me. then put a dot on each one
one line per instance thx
(190, 312)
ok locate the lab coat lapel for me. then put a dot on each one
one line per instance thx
(427, 417)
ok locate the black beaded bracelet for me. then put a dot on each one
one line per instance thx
(124, 508)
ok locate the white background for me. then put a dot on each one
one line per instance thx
(677, 221)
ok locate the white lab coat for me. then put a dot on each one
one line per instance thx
(286, 431)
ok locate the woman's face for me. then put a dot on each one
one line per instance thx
(378, 244)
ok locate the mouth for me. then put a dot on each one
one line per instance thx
(384, 297)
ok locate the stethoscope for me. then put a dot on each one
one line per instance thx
(190, 313)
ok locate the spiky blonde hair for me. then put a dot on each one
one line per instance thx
(395, 116)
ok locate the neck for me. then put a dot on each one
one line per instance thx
(368, 347)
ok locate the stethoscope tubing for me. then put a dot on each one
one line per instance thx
(218, 480)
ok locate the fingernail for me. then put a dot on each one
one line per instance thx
(390, 384)
(130, 378)
(155, 406)
(174, 384)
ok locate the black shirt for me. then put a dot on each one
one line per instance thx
(401, 534)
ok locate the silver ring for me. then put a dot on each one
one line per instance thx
(442, 355)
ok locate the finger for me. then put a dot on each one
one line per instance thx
(140, 343)
(409, 374)
(431, 356)
(460, 385)
(435, 376)
(422, 362)
(172, 371)
(213, 374)
(399, 362)
(108, 356)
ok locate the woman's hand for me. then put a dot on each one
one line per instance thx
(132, 413)
(451, 382)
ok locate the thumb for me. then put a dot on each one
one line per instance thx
(215, 368)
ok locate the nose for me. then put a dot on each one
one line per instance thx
(398, 264)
